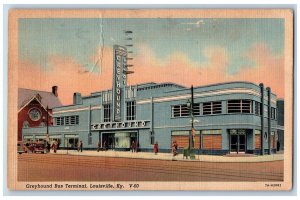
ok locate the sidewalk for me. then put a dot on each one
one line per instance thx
(169, 156)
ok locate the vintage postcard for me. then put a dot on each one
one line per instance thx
(160, 99)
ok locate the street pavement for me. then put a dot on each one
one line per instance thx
(168, 156)
(75, 167)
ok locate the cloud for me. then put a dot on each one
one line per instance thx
(197, 24)
(268, 68)
(67, 74)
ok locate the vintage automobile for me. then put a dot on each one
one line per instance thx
(38, 147)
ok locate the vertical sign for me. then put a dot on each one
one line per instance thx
(119, 80)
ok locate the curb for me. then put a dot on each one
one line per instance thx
(233, 159)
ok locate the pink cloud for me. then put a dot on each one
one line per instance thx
(268, 69)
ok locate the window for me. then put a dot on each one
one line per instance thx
(184, 111)
(131, 110)
(67, 120)
(210, 108)
(180, 111)
(107, 113)
(258, 110)
(25, 124)
(239, 106)
(273, 113)
(106, 96)
(59, 121)
(196, 109)
(74, 120)
(130, 92)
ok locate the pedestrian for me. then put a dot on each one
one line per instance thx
(174, 148)
(78, 146)
(105, 145)
(132, 146)
(137, 145)
(155, 148)
(81, 145)
(99, 146)
(278, 145)
(48, 147)
(58, 144)
(54, 146)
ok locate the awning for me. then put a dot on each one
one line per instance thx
(40, 136)
(180, 133)
(55, 136)
(71, 136)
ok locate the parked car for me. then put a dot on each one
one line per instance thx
(38, 147)
(21, 148)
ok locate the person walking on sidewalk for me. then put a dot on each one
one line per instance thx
(98, 146)
(155, 148)
(174, 148)
(78, 146)
(81, 145)
(105, 147)
(54, 146)
(137, 145)
(132, 146)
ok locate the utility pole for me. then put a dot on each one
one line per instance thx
(192, 116)
(190, 105)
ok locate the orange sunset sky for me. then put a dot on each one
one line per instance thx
(77, 55)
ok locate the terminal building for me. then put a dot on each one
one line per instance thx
(234, 117)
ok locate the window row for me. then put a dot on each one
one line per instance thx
(209, 108)
(67, 120)
(183, 110)
(130, 111)
(215, 107)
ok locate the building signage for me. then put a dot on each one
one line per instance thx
(119, 80)
(121, 125)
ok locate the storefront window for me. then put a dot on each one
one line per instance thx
(122, 140)
(71, 141)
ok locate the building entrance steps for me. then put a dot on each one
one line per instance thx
(169, 156)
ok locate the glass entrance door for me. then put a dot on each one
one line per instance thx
(237, 141)
(242, 143)
(233, 143)
(108, 140)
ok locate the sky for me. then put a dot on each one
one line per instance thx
(76, 54)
